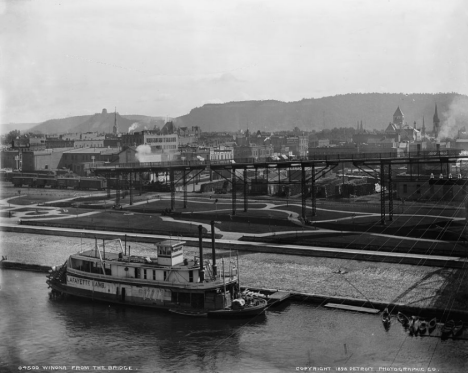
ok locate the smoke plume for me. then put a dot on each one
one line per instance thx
(144, 154)
(133, 127)
(455, 118)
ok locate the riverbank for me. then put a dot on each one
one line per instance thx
(252, 246)
(319, 299)
(422, 289)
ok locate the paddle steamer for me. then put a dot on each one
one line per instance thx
(166, 280)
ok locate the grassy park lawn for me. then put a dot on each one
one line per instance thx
(195, 206)
(202, 209)
(344, 206)
(363, 242)
(240, 224)
(321, 214)
(406, 226)
(118, 220)
(250, 213)
(33, 199)
(252, 221)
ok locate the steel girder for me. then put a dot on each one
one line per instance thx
(246, 191)
(233, 182)
(107, 176)
(303, 193)
(382, 193)
(390, 193)
(313, 195)
(185, 189)
(172, 187)
(130, 187)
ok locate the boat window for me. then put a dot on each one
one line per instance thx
(107, 269)
(165, 275)
(144, 274)
(85, 266)
(190, 276)
(154, 275)
(95, 267)
(137, 272)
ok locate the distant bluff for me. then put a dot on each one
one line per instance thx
(100, 122)
(374, 109)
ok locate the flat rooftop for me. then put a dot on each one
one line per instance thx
(171, 243)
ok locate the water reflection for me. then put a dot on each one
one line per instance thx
(37, 330)
(169, 338)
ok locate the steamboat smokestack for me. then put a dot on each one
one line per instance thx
(200, 241)
(213, 253)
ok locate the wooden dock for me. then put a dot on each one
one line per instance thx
(352, 308)
(278, 297)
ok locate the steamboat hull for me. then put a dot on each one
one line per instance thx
(126, 293)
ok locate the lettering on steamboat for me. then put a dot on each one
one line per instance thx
(82, 281)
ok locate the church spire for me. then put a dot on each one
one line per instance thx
(436, 116)
(114, 130)
(398, 118)
(436, 122)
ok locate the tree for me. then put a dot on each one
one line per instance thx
(297, 131)
(10, 136)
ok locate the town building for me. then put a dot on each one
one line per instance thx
(89, 143)
(80, 160)
(58, 143)
(436, 187)
(157, 142)
(319, 143)
(36, 142)
(221, 153)
(128, 155)
(32, 160)
(298, 145)
(112, 142)
(253, 152)
(194, 153)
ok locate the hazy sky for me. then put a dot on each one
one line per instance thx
(64, 58)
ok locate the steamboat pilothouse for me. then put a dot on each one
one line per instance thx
(166, 280)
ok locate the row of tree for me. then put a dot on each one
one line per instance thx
(10, 136)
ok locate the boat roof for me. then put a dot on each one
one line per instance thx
(171, 243)
(132, 259)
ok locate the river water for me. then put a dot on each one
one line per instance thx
(36, 331)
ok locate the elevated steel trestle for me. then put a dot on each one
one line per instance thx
(289, 172)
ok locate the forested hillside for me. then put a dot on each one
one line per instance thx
(374, 109)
